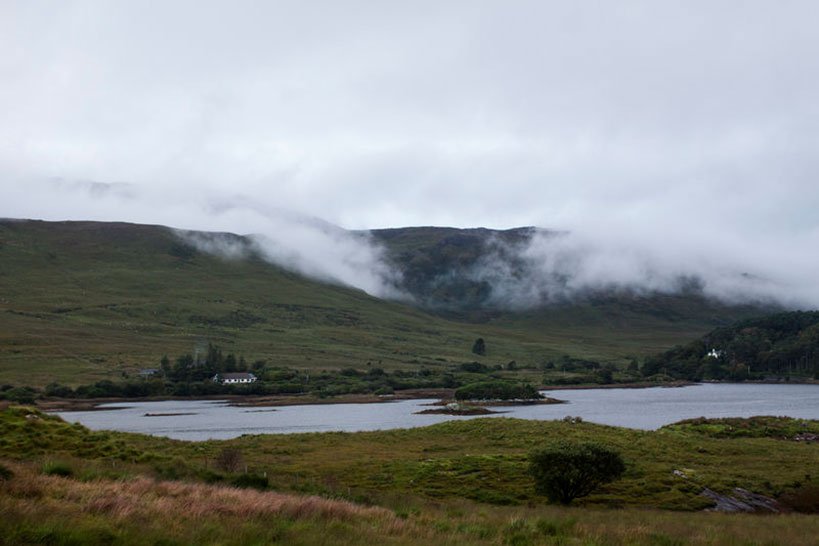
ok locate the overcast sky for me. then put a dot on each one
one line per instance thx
(677, 126)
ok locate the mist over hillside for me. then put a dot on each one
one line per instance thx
(526, 268)
(479, 268)
(450, 269)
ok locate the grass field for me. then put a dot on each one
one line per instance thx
(454, 483)
(84, 301)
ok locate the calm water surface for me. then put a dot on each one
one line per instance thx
(635, 408)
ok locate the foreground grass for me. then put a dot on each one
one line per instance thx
(40, 509)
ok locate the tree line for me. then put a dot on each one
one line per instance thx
(781, 345)
(189, 368)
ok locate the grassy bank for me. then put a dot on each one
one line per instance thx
(461, 482)
(41, 509)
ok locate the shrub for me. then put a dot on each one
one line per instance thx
(474, 367)
(254, 481)
(479, 347)
(565, 471)
(175, 469)
(230, 460)
(58, 468)
(5, 473)
(209, 476)
(20, 395)
(59, 391)
(804, 498)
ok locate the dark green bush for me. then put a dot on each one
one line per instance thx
(254, 481)
(58, 468)
(20, 395)
(5, 473)
(474, 367)
(565, 471)
(479, 347)
(59, 391)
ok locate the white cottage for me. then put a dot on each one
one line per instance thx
(234, 378)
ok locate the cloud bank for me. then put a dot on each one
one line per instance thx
(293, 241)
(560, 267)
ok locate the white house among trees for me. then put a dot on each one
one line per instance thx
(234, 378)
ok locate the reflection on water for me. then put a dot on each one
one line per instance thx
(636, 408)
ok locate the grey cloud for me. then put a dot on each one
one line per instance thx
(226, 245)
(93, 189)
(680, 135)
(560, 267)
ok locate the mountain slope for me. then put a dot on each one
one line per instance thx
(81, 301)
(438, 264)
(444, 269)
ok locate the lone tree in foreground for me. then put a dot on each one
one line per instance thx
(565, 471)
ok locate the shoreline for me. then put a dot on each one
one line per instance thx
(440, 394)
(546, 400)
(634, 385)
(93, 404)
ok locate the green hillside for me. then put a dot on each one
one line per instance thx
(84, 301)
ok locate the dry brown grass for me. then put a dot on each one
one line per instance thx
(147, 498)
(144, 510)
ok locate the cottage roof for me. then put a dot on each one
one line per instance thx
(239, 375)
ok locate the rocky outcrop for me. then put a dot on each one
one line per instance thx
(741, 501)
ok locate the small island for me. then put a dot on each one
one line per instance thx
(473, 399)
(456, 408)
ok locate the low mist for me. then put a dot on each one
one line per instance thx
(558, 267)
(205, 220)
(311, 248)
(553, 266)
